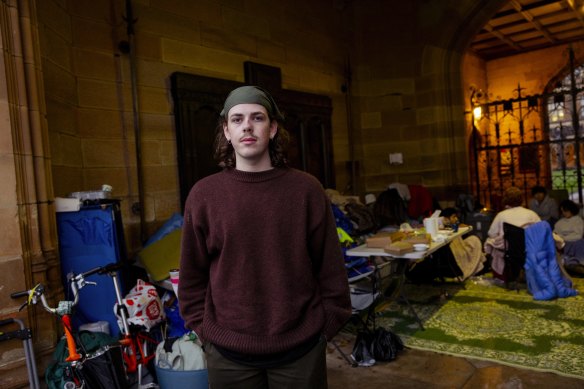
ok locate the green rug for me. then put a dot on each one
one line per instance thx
(486, 321)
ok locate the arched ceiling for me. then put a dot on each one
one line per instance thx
(526, 25)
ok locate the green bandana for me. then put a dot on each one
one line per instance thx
(252, 95)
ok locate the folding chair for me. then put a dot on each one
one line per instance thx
(514, 253)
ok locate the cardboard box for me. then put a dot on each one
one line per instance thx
(399, 248)
(382, 239)
(418, 238)
(379, 240)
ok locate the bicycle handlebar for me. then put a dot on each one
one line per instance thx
(19, 294)
(75, 281)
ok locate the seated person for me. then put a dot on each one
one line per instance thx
(542, 204)
(461, 258)
(513, 213)
(571, 228)
(449, 217)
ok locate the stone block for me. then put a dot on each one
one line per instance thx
(56, 48)
(166, 24)
(195, 56)
(156, 74)
(61, 116)
(147, 46)
(224, 40)
(154, 100)
(70, 150)
(55, 17)
(370, 120)
(122, 179)
(160, 177)
(271, 51)
(100, 153)
(67, 179)
(96, 10)
(93, 34)
(93, 64)
(59, 83)
(12, 265)
(168, 153)
(101, 123)
(151, 153)
(157, 126)
(195, 10)
(165, 204)
(10, 244)
(101, 94)
(235, 21)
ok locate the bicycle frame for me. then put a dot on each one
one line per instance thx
(135, 352)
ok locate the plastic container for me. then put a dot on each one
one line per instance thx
(182, 379)
(91, 195)
(98, 326)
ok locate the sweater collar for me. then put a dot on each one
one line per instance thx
(266, 175)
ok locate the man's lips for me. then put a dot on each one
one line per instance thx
(248, 140)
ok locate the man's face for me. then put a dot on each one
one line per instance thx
(452, 219)
(249, 129)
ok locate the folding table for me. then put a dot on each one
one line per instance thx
(387, 258)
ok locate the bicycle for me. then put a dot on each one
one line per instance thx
(138, 346)
(79, 368)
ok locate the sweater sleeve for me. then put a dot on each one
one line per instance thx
(194, 271)
(330, 270)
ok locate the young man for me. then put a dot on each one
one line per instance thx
(263, 281)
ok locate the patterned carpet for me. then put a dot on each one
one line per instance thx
(483, 320)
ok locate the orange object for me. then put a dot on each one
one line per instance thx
(73, 355)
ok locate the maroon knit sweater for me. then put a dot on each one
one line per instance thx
(261, 270)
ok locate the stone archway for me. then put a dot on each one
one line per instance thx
(443, 57)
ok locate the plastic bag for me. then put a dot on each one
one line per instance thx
(385, 345)
(181, 354)
(143, 305)
(379, 345)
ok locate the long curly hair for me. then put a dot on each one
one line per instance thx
(225, 154)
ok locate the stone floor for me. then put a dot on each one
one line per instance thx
(422, 369)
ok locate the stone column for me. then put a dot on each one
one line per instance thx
(28, 238)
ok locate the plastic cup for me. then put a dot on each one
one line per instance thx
(174, 277)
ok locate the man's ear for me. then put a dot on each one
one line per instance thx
(273, 129)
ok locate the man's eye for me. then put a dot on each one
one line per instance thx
(235, 120)
(259, 118)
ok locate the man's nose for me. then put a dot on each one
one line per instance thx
(248, 125)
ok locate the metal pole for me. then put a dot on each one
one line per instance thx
(138, 139)
(575, 123)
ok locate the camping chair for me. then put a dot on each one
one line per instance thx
(384, 283)
(514, 253)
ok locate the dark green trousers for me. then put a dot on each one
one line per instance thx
(307, 372)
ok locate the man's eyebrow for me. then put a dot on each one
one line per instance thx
(251, 113)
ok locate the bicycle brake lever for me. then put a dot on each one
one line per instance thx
(90, 283)
(22, 307)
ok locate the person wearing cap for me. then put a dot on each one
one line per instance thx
(263, 282)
